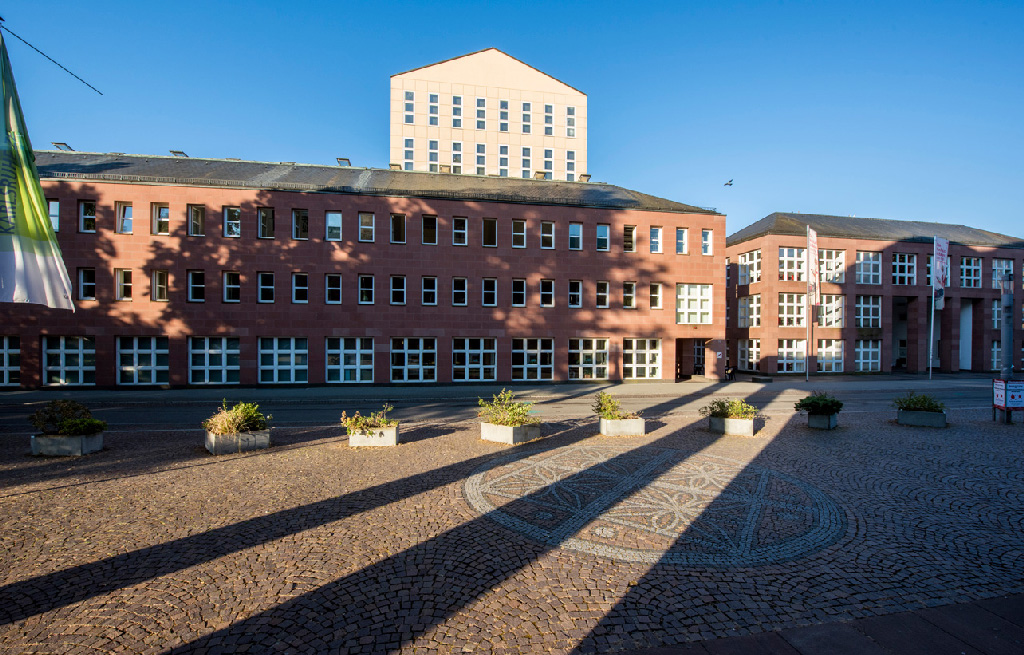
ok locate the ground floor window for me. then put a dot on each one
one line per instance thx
(142, 360)
(284, 360)
(641, 359)
(830, 355)
(413, 359)
(10, 361)
(997, 355)
(588, 359)
(868, 354)
(792, 356)
(213, 360)
(474, 359)
(533, 359)
(69, 360)
(749, 354)
(350, 359)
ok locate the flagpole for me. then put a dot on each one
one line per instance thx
(931, 332)
(807, 309)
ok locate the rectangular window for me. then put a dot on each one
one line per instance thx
(603, 237)
(792, 308)
(655, 295)
(629, 238)
(86, 216)
(533, 359)
(682, 245)
(397, 289)
(588, 359)
(123, 215)
(518, 233)
(601, 300)
(655, 240)
(869, 267)
(1000, 267)
(196, 220)
(158, 286)
(570, 121)
(300, 288)
(792, 265)
(490, 232)
(366, 227)
(750, 267)
(413, 360)
(474, 359)
(87, 284)
(349, 359)
(428, 291)
(460, 237)
(232, 286)
(332, 288)
(832, 265)
(409, 107)
(457, 111)
(868, 312)
(830, 355)
(265, 222)
(575, 236)
(749, 354)
(300, 224)
(792, 356)
(161, 219)
(904, 268)
(284, 360)
(232, 222)
(214, 360)
(398, 228)
(996, 354)
(123, 277)
(749, 311)
(868, 355)
(641, 359)
(629, 295)
(547, 235)
(142, 360)
(693, 304)
(518, 292)
(265, 287)
(997, 313)
(490, 292)
(53, 209)
(460, 291)
(575, 293)
(547, 293)
(407, 164)
(429, 235)
(705, 242)
(196, 286)
(365, 289)
(332, 221)
(832, 311)
(970, 272)
(69, 361)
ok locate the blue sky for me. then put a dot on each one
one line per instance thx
(903, 110)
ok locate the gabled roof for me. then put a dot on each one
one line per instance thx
(874, 229)
(501, 52)
(289, 176)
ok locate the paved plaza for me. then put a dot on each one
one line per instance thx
(576, 543)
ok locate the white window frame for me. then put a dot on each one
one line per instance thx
(603, 294)
(867, 355)
(266, 293)
(123, 284)
(69, 361)
(283, 360)
(518, 233)
(424, 230)
(474, 359)
(493, 230)
(694, 304)
(629, 295)
(792, 309)
(830, 355)
(792, 264)
(220, 359)
(460, 231)
(10, 361)
(603, 235)
(682, 241)
(83, 283)
(348, 360)
(418, 356)
(970, 272)
(655, 295)
(266, 222)
(196, 215)
(366, 293)
(832, 266)
(142, 361)
(161, 225)
(547, 293)
(749, 355)
(641, 359)
(398, 290)
(398, 220)
(196, 280)
(428, 290)
(749, 311)
(123, 215)
(996, 355)
(460, 292)
(655, 239)
(792, 356)
(868, 312)
(232, 222)
(997, 313)
(575, 293)
(367, 227)
(533, 359)
(832, 311)
(230, 284)
(749, 267)
(1000, 266)
(332, 283)
(547, 235)
(707, 242)
(53, 211)
(868, 267)
(628, 238)
(87, 216)
(588, 358)
(300, 288)
(575, 236)
(300, 216)
(519, 289)
(904, 268)
(489, 287)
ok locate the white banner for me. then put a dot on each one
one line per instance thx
(940, 271)
(813, 270)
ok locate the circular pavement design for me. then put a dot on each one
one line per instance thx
(651, 504)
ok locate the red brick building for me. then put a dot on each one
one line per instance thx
(876, 296)
(199, 271)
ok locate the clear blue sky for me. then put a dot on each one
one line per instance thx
(899, 110)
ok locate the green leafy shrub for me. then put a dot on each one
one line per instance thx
(243, 417)
(728, 408)
(51, 418)
(819, 402)
(360, 423)
(607, 407)
(506, 410)
(73, 427)
(918, 402)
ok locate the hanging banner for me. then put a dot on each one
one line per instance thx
(813, 269)
(31, 267)
(940, 271)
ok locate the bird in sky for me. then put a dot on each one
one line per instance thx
(729, 183)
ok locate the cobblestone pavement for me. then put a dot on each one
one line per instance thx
(576, 543)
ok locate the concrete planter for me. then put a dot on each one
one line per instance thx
(823, 421)
(225, 444)
(508, 434)
(374, 437)
(922, 419)
(737, 427)
(60, 445)
(623, 427)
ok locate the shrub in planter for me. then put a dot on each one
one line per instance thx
(374, 429)
(237, 429)
(821, 408)
(67, 428)
(615, 421)
(507, 420)
(730, 416)
(920, 409)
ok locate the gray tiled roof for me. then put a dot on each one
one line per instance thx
(289, 176)
(877, 229)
